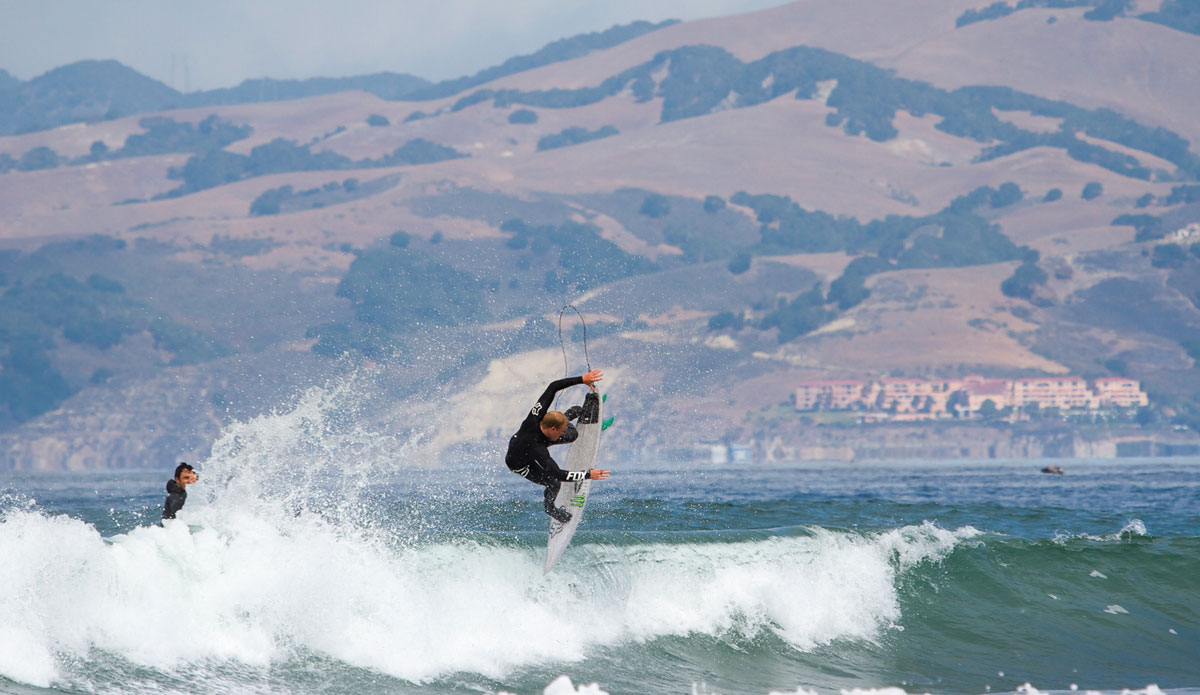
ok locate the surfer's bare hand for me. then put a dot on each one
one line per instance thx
(592, 377)
(597, 474)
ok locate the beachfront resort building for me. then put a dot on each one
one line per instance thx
(924, 399)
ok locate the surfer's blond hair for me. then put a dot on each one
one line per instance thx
(554, 420)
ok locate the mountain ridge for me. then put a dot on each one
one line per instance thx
(52, 99)
(829, 245)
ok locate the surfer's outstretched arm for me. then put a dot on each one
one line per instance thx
(543, 404)
(547, 397)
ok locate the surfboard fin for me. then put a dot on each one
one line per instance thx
(607, 423)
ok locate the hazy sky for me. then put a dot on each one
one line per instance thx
(223, 42)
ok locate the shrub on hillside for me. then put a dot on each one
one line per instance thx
(1183, 15)
(727, 320)
(269, 202)
(574, 136)
(39, 158)
(1148, 227)
(523, 117)
(1169, 256)
(655, 205)
(1024, 281)
(739, 263)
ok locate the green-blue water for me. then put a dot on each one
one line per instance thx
(951, 577)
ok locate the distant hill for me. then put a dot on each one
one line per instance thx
(820, 190)
(90, 90)
(386, 85)
(554, 52)
(1183, 15)
(95, 90)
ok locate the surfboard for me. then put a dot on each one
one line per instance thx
(573, 496)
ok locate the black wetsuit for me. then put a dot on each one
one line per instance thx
(176, 496)
(528, 450)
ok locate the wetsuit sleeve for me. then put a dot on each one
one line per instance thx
(543, 405)
(551, 468)
(173, 504)
(569, 435)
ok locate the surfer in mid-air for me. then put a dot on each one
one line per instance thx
(528, 450)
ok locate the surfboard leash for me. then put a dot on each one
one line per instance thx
(562, 342)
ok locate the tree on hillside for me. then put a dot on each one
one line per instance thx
(98, 151)
(1024, 281)
(1107, 10)
(1092, 190)
(727, 320)
(39, 158)
(655, 205)
(1148, 227)
(398, 290)
(1169, 256)
(270, 201)
(1006, 195)
(574, 136)
(714, 204)
(523, 117)
(1183, 15)
(739, 263)
(29, 384)
(800, 316)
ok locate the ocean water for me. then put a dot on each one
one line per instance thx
(315, 557)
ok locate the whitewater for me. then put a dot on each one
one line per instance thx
(314, 557)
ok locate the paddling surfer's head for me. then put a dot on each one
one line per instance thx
(185, 475)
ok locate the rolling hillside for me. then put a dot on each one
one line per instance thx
(820, 190)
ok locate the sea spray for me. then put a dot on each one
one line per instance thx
(255, 593)
(316, 557)
(290, 549)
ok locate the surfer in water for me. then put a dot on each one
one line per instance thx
(528, 450)
(177, 489)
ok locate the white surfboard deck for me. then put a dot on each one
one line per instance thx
(573, 496)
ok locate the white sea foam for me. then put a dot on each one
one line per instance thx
(1026, 689)
(563, 686)
(1134, 528)
(272, 563)
(247, 589)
